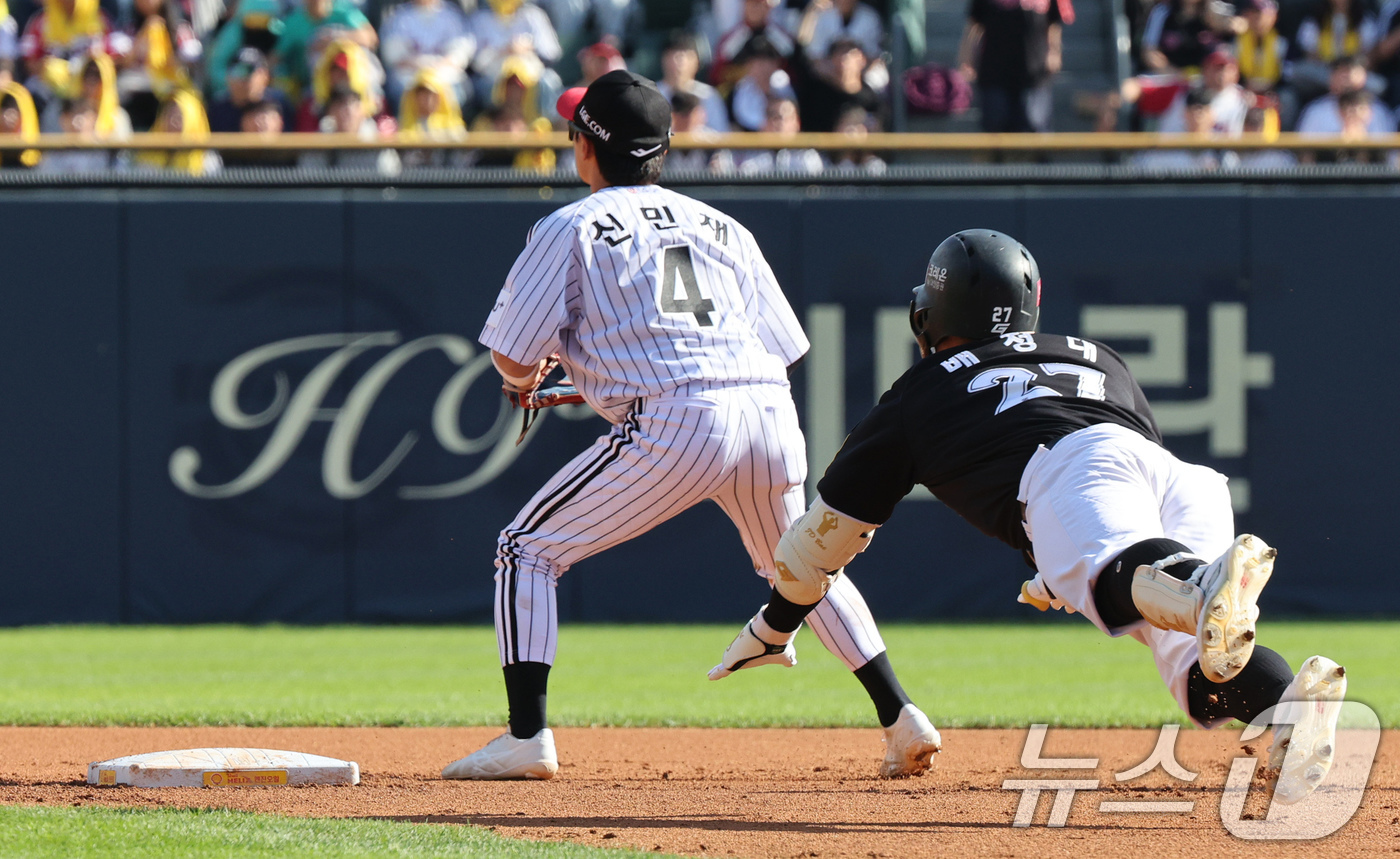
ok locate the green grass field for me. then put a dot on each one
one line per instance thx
(963, 675)
(63, 833)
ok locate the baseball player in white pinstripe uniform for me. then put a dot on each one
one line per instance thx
(672, 326)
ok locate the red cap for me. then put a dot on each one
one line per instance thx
(603, 51)
(567, 105)
(341, 61)
(1219, 57)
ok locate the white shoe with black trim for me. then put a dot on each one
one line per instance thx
(1230, 586)
(910, 744)
(1302, 752)
(507, 757)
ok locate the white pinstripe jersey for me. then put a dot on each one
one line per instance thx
(641, 290)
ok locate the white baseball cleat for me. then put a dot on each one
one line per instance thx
(1230, 587)
(910, 744)
(1302, 752)
(747, 650)
(507, 757)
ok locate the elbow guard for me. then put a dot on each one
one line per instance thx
(813, 551)
(520, 383)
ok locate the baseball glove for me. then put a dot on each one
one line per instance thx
(546, 394)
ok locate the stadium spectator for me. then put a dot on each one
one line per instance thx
(511, 27)
(1332, 29)
(346, 113)
(506, 121)
(1229, 101)
(1385, 56)
(9, 39)
(688, 116)
(1356, 117)
(263, 120)
(428, 111)
(609, 18)
(255, 24)
(597, 60)
(1323, 115)
(154, 48)
(1200, 122)
(855, 122)
(518, 91)
(427, 34)
(1012, 50)
(182, 114)
(782, 119)
(63, 29)
(1259, 48)
(342, 63)
(249, 79)
(94, 81)
(824, 22)
(680, 63)
(18, 119)
(1179, 34)
(835, 84)
(307, 32)
(759, 19)
(763, 80)
(1258, 121)
(76, 116)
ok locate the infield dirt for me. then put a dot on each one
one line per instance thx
(728, 792)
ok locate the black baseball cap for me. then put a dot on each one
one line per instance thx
(623, 112)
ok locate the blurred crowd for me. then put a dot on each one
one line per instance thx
(440, 70)
(1218, 69)
(430, 70)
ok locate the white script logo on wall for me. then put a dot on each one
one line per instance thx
(293, 410)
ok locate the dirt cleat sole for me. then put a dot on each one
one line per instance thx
(1302, 752)
(507, 757)
(910, 744)
(1231, 585)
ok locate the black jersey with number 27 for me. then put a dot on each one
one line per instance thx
(965, 421)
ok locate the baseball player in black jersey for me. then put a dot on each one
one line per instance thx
(1047, 443)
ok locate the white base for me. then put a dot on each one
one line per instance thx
(222, 768)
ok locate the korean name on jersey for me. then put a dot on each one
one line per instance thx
(642, 291)
(965, 421)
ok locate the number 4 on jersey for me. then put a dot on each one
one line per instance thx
(678, 276)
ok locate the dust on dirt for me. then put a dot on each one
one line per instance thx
(730, 792)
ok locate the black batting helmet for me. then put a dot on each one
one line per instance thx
(978, 284)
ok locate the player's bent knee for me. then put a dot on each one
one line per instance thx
(1255, 689)
(1120, 594)
(811, 554)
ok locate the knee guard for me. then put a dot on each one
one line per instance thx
(811, 554)
(1257, 687)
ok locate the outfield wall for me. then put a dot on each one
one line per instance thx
(356, 464)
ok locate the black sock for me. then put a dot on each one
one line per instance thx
(526, 688)
(1255, 689)
(1113, 590)
(784, 615)
(877, 676)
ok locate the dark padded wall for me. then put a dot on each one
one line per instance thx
(242, 406)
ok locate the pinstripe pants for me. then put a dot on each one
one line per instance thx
(740, 447)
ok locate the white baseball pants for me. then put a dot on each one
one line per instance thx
(740, 447)
(1100, 490)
